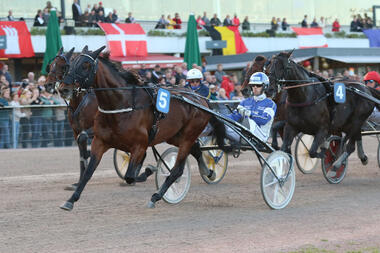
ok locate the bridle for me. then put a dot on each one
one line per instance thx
(54, 71)
(85, 80)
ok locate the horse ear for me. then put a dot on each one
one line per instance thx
(69, 54)
(291, 52)
(85, 49)
(97, 52)
(60, 51)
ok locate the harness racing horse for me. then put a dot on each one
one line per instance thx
(81, 108)
(126, 116)
(311, 110)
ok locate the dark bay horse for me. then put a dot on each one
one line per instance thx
(82, 108)
(311, 108)
(126, 116)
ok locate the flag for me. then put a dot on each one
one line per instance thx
(310, 37)
(125, 39)
(231, 34)
(192, 52)
(373, 36)
(53, 40)
(17, 40)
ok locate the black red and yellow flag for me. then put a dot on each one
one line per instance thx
(231, 34)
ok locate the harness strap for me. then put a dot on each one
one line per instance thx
(129, 109)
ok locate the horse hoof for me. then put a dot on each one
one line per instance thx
(212, 175)
(151, 204)
(72, 187)
(126, 184)
(364, 160)
(67, 206)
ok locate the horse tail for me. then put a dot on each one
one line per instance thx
(375, 93)
(219, 132)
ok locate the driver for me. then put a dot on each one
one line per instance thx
(372, 79)
(258, 110)
(194, 81)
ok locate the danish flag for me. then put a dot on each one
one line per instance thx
(310, 37)
(125, 39)
(18, 40)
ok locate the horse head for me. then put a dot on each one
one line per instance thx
(81, 72)
(57, 69)
(280, 67)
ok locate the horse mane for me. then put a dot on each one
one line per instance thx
(256, 66)
(131, 76)
(308, 73)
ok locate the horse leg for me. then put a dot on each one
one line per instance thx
(196, 152)
(362, 156)
(319, 139)
(274, 132)
(97, 151)
(134, 166)
(83, 156)
(289, 134)
(143, 176)
(349, 148)
(175, 173)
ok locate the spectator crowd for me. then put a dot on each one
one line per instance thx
(35, 126)
(89, 16)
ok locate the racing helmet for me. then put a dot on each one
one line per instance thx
(194, 74)
(372, 75)
(259, 78)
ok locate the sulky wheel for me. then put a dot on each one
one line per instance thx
(278, 192)
(180, 187)
(215, 160)
(331, 155)
(120, 162)
(378, 154)
(304, 162)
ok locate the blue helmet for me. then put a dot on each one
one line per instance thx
(259, 78)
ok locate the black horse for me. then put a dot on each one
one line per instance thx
(312, 110)
(82, 107)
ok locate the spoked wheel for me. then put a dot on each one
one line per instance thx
(332, 154)
(378, 154)
(216, 160)
(278, 192)
(121, 162)
(180, 187)
(305, 163)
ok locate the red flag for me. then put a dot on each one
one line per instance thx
(18, 40)
(125, 39)
(310, 37)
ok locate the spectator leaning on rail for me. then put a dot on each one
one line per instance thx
(4, 118)
(259, 110)
(246, 26)
(194, 82)
(177, 21)
(130, 18)
(335, 26)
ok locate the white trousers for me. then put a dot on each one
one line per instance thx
(232, 135)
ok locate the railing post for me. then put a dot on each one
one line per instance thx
(14, 128)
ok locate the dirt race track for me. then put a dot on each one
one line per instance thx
(229, 217)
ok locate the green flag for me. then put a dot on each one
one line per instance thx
(192, 54)
(53, 40)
